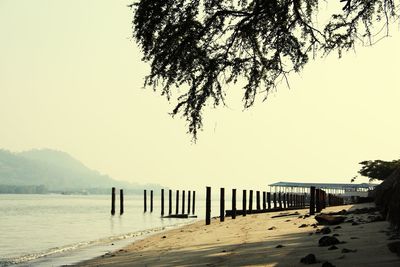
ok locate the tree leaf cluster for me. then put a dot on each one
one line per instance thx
(197, 47)
(378, 169)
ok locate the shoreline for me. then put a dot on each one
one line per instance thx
(258, 240)
(95, 248)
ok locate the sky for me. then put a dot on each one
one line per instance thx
(71, 79)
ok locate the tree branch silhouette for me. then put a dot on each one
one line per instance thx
(200, 46)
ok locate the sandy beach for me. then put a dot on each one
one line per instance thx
(259, 240)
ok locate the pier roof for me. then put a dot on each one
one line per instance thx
(325, 185)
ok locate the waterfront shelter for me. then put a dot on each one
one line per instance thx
(347, 190)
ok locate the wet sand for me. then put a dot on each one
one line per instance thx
(253, 241)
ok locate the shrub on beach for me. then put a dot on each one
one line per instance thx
(386, 194)
(387, 198)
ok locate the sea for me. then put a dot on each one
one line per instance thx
(56, 229)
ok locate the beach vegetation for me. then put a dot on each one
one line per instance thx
(378, 169)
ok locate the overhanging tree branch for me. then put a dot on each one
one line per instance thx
(198, 46)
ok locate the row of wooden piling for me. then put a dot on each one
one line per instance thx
(319, 199)
(316, 200)
(270, 202)
(191, 202)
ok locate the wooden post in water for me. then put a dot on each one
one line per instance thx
(183, 201)
(284, 200)
(291, 200)
(244, 202)
(162, 202)
(280, 199)
(113, 201)
(170, 202)
(269, 200)
(312, 200)
(145, 200)
(194, 200)
(208, 205)
(177, 202)
(189, 202)
(151, 200)
(264, 201)
(294, 200)
(317, 200)
(258, 200)
(299, 200)
(222, 205)
(233, 203)
(251, 201)
(121, 202)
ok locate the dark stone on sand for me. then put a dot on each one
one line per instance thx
(326, 230)
(364, 210)
(303, 225)
(338, 227)
(309, 259)
(325, 219)
(332, 247)
(327, 264)
(326, 241)
(394, 247)
(346, 250)
(272, 228)
(164, 236)
(279, 246)
(223, 250)
(375, 218)
(314, 225)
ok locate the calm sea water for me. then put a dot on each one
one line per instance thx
(53, 230)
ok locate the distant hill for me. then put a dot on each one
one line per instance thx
(56, 171)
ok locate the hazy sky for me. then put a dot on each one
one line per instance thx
(71, 79)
